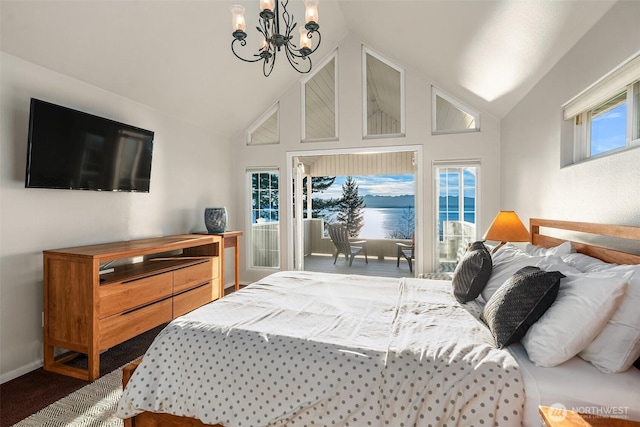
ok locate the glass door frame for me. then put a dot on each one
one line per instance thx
(295, 238)
(461, 164)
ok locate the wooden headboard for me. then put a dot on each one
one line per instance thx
(626, 232)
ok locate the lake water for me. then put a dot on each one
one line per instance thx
(380, 222)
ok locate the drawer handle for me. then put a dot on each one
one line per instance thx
(144, 306)
(204, 261)
(137, 279)
(193, 289)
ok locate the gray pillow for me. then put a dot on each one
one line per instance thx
(472, 272)
(519, 303)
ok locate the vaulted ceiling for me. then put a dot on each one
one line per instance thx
(175, 55)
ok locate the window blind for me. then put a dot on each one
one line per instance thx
(605, 88)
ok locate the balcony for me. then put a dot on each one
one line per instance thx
(377, 267)
(382, 253)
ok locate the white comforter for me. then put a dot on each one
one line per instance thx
(300, 348)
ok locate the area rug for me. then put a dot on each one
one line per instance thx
(93, 405)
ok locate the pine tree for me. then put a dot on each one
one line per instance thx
(318, 185)
(406, 225)
(265, 195)
(351, 206)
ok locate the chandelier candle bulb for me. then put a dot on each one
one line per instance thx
(305, 41)
(267, 5)
(237, 16)
(263, 43)
(311, 14)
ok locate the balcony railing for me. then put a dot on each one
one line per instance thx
(266, 249)
(456, 236)
(265, 244)
(315, 242)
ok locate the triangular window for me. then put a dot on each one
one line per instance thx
(383, 92)
(266, 129)
(451, 116)
(320, 103)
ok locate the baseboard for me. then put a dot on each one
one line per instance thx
(21, 371)
(233, 284)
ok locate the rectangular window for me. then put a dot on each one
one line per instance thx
(606, 116)
(608, 125)
(265, 219)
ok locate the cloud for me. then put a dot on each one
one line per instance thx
(607, 144)
(610, 115)
(379, 185)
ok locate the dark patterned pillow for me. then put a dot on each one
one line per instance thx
(472, 272)
(519, 303)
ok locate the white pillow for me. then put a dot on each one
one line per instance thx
(584, 305)
(618, 345)
(562, 249)
(506, 261)
(555, 263)
(584, 263)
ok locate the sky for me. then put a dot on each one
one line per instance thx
(377, 185)
(608, 130)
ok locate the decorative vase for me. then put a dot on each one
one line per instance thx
(215, 219)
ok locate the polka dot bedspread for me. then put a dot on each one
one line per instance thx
(319, 349)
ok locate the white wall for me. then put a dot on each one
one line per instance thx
(484, 145)
(190, 171)
(605, 190)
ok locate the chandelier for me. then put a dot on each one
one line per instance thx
(272, 40)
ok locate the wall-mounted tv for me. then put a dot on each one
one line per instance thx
(70, 149)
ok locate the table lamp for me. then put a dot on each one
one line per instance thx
(506, 227)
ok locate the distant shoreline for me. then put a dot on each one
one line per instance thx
(404, 201)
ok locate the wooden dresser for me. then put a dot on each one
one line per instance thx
(153, 281)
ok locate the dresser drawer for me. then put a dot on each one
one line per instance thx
(192, 276)
(121, 327)
(123, 296)
(190, 300)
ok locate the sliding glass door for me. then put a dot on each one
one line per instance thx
(456, 201)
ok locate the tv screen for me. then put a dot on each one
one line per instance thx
(69, 149)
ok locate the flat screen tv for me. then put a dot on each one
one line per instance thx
(70, 149)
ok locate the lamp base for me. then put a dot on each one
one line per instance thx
(495, 249)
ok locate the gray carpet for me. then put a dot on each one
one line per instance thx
(92, 405)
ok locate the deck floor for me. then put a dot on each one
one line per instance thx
(375, 267)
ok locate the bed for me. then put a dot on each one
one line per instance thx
(301, 348)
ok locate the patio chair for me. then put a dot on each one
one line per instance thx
(340, 238)
(407, 252)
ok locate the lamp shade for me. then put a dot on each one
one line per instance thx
(507, 227)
